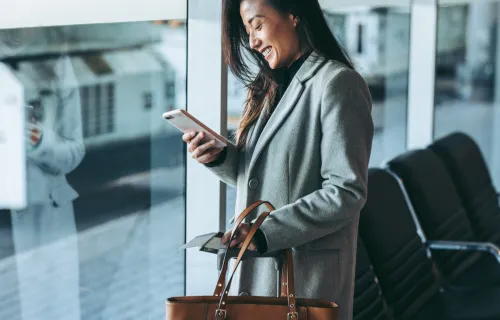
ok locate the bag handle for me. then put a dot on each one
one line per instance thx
(222, 276)
(287, 267)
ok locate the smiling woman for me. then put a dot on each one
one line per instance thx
(271, 33)
(303, 144)
(275, 33)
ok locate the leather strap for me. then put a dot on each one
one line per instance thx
(290, 281)
(222, 276)
(287, 265)
(284, 277)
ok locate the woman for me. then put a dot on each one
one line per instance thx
(303, 144)
(44, 233)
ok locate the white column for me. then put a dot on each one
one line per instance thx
(206, 100)
(12, 144)
(396, 82)
(422, 73)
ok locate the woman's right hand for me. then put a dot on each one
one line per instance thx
(204, 153)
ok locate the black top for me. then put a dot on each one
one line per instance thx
(284, 78)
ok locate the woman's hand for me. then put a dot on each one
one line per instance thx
(241, 234)
(33, 134)
(204, 153)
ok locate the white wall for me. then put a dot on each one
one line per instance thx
(206, 100)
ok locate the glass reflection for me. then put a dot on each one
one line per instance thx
(105, 175)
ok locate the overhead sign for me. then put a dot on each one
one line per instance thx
(12, 147)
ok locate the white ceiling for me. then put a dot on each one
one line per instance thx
(35, 13)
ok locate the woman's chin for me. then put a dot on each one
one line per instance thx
(272, 64)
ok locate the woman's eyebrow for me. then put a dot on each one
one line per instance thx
(255, 16)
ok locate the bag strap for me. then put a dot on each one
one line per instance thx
(222, 276)
(287, 267)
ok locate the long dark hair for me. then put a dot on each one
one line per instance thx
(313, 32)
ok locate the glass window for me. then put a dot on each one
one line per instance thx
(377, 39)
(99, 238)
(467, 90)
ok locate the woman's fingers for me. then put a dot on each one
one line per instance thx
(240, 236)
(195, 141)
(226, 237)
(210, 156)
(188, 136)
(200, 150)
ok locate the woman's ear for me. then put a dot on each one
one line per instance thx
(294, 19)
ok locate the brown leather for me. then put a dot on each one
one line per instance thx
(222, 276)
(249, 308)
(288, 261)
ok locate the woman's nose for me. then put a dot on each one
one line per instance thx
(254, 42)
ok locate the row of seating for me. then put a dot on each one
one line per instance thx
(429, 236)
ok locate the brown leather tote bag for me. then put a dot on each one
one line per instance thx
(220, 306)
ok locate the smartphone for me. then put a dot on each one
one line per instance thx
(185, 122)
(210, 242)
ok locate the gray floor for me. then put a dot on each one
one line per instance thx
(127, 267)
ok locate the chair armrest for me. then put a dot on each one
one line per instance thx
(465, 246)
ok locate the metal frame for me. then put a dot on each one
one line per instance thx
(442, 244)
(414, 216)
(465, 246)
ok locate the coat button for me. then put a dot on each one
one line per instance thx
(253, 183)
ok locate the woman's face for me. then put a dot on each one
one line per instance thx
(271, 33)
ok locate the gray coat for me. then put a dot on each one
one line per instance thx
(310, 161)
(61, 148)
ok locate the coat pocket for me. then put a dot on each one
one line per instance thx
(318, 274)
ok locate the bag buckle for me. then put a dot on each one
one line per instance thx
(220, 312)
(292, 316)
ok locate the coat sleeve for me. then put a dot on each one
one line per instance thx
(61, 149)
(227, 171)
(347, 133)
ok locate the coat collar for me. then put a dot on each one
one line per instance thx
(287, 103)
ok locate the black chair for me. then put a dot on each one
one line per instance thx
(471, 176)
(442, 218)
(369, 303)
(402, 263)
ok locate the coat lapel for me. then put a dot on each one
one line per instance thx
(263, 133)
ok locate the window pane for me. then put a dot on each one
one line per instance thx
(106, 188)
(377, 40)
(467, 91)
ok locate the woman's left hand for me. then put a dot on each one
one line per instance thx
(241, 234)
(34, 134)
